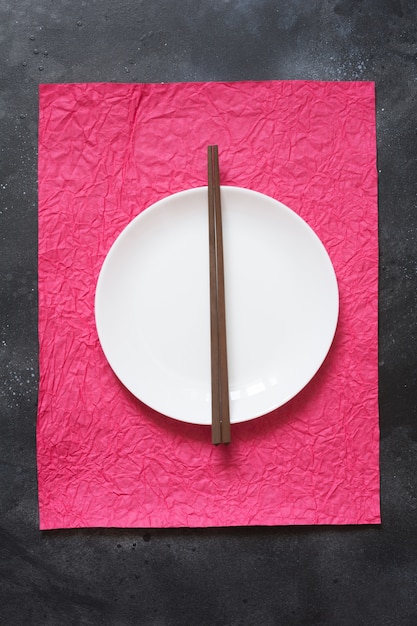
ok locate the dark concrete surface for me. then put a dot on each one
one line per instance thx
(214, 577)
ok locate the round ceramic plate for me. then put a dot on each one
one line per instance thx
(153, 311)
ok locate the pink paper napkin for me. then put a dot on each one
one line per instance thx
(108, 151)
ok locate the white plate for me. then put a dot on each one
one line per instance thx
(153, 314)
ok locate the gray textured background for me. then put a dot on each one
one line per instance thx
(226, 577)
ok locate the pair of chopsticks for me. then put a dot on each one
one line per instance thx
(220, 429)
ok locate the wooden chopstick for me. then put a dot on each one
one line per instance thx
(219, 371)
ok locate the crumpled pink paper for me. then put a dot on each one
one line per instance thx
(108, 151)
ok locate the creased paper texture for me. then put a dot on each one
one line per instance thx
(106, 153)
